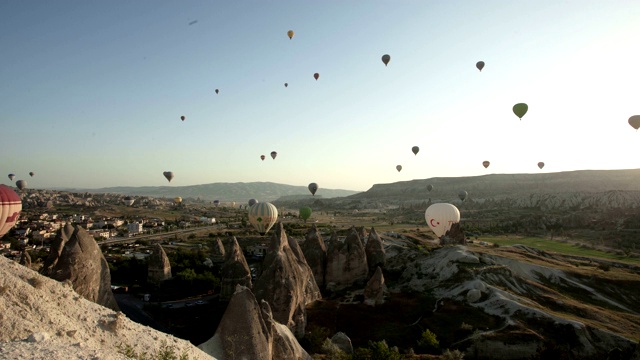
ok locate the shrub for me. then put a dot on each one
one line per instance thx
(428, 340)
(453, 355)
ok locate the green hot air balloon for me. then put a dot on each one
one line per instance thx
(520, 109)
(305, 213)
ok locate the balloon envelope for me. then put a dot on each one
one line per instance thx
(216, 203)
(10, 207)
(183, 118)
(313, 187)
(252, 202)
(21, 184)
(316, 76)
(429, 187)
(441, 216)
(385, 59)
(31, 174)
(274, 154)
(520, 109)
(262, 157)
(540, 164)
(399, 167)
(168, 175)
(305, 213)
(634, 121)
(286, 84)
(480, 65)
(217, 91)
(485, 164)
(462, 195)
(128, 200)
(11, 176)
(263, 216)
(177, 199)
(415, 150)
(290, 34)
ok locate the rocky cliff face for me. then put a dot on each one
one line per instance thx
(374, 251)
(158, 266)
(315, 253)
(375, 289)
(286, 283)
(346, 263)
(76, 257)
(235, 270)
(248, 331)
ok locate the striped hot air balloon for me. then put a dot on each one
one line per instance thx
(10, 207)
(263, 216)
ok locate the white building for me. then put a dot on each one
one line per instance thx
(206, 220)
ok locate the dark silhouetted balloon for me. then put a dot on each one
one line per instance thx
(286, 84)
(316, 76)
(520, 109)
(168, 175)
(21, 184)
(32, 173)
(462, 195)
(485, 164)
(634, 121)
(313, 187)
(252, 202)
(398, 167)
(217, 91)
(480, 65)
(11, 176)
(429, 187)
(540, 164)
(183, 118)
(262, 157)
(385, 59)
(415, 150)
(273, 155)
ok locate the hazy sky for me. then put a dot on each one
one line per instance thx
(91, 92)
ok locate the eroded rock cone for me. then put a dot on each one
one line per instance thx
(158, 266)
(217, 251)
(315, 252)
(25, 259)
(346, 263)
(75, 256)
(235, 270)
(286, 283)
(375, 289)
(375, 251)
(455, 236)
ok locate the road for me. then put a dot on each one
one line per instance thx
(157, 236)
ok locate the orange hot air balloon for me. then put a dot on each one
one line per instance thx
(485, 164)
(316, 76)
(290, 34)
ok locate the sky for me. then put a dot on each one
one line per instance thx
(91, 92)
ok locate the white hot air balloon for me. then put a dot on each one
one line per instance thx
(263, 216)
(441, 216)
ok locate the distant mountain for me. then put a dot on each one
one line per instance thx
(240, 192)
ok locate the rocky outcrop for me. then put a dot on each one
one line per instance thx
(217, 251)
(158, 266)
(315, 253)
(76, 257)
(342, 341)
(25, 259)
(375, 289)
(455, 236)
(235, 270)
(362, 233)
(248, 331)
(286, 283)
(375, 251)
(346, 263)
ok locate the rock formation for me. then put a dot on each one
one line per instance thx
(75, 256)
(248, 331)
(363, 234)
(346, 263)
(315, 253)
(217, 251)
(375, 289)
(158, 267)
(342, 341)
(286, 283)
(375, 251)
(455, 236)
(25, 259)
(235, 270)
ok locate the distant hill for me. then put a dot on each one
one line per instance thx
(240, 192)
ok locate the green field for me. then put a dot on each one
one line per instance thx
(557, 246)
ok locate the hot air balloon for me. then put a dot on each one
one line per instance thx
(480, 65)
(634, 121)
(398, 167)
(441, 216)
(177, 200)
(128, 200)
(429, 187)
(520, 109)
(32, 173)
(305, 213)
(290, 34)
(252, 202)
(233, 204)
(217, 91)
(273, 155)
(168, 175)
(316, 76)
(540, 164)
(286, 84)
(385, 59)
(11, 176)
(263, 216)
(216, 203)
(10, 207)
(462, 195)
(183, 118)
(415, 150)
(21, 184)
(485, 164)
(313, 187)
(262, 157)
